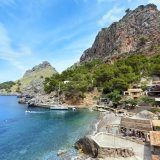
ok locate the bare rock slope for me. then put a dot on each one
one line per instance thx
(32, 80)
(137, 32)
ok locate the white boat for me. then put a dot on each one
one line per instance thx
(27, 111)
(59, 107)
(74, 109)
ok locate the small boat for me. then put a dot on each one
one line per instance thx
(59, 107)
(27, 111)
(74, 109)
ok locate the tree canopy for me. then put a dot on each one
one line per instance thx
(109, 78)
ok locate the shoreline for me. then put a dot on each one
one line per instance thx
(95, 128)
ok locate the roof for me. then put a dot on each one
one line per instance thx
(135, 90)
(155, 82)
(155, 138)
(156, 123)
(155, 157)
(157, 99)
(137, 124)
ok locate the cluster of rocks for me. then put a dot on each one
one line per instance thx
(137, 32)
(115, 152)
(35, 86)
(89, 147)
(146, 115)
(46, 99)
(22, 100)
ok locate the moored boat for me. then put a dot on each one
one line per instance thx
(59, 107)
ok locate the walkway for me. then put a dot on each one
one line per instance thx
(107, 140)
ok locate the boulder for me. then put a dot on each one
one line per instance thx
(22, 100)
(61, 152)
(87, 146)
(145, 115)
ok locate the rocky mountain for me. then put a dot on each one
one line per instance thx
(137, 32)
(32, 80)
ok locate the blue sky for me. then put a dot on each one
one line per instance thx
(32, 31)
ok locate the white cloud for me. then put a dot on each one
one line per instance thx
(112, 15)
(7, 52)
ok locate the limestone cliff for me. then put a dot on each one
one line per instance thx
(137, 32)
(32, 80)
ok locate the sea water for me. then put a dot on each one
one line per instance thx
(41, 133)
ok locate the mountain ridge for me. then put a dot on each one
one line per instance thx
(137, 31)
(32, 80)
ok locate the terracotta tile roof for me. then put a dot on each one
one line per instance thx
(155, 138)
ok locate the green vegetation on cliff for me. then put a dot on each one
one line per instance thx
(7, 85)
(107, 78)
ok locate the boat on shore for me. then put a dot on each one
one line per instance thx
(59, 107)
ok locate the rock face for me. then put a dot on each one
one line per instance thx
(37, 68)
(115, 152)
(146, 115)
(87, 146)
(32, 81)
(137, 32)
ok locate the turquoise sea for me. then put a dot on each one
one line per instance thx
(39, 135)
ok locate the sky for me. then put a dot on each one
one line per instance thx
(58, 31)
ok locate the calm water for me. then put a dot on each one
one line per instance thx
(40, 134)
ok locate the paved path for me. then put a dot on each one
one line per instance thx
(105, 140)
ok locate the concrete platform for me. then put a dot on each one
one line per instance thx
(141, 151)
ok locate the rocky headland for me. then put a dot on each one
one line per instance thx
(32, 81)
(137, 32)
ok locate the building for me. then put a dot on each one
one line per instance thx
(154, 90)
(155, 82)
(134, 93)
(155, 144)
(138, 128)
(156, 125)
(157, 102)
(144, 125)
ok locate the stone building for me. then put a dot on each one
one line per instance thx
(136, 128)
(134, 93)
(155, 144)
(156, 125)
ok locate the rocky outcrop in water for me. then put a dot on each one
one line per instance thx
(137, 32)
(87, 146)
